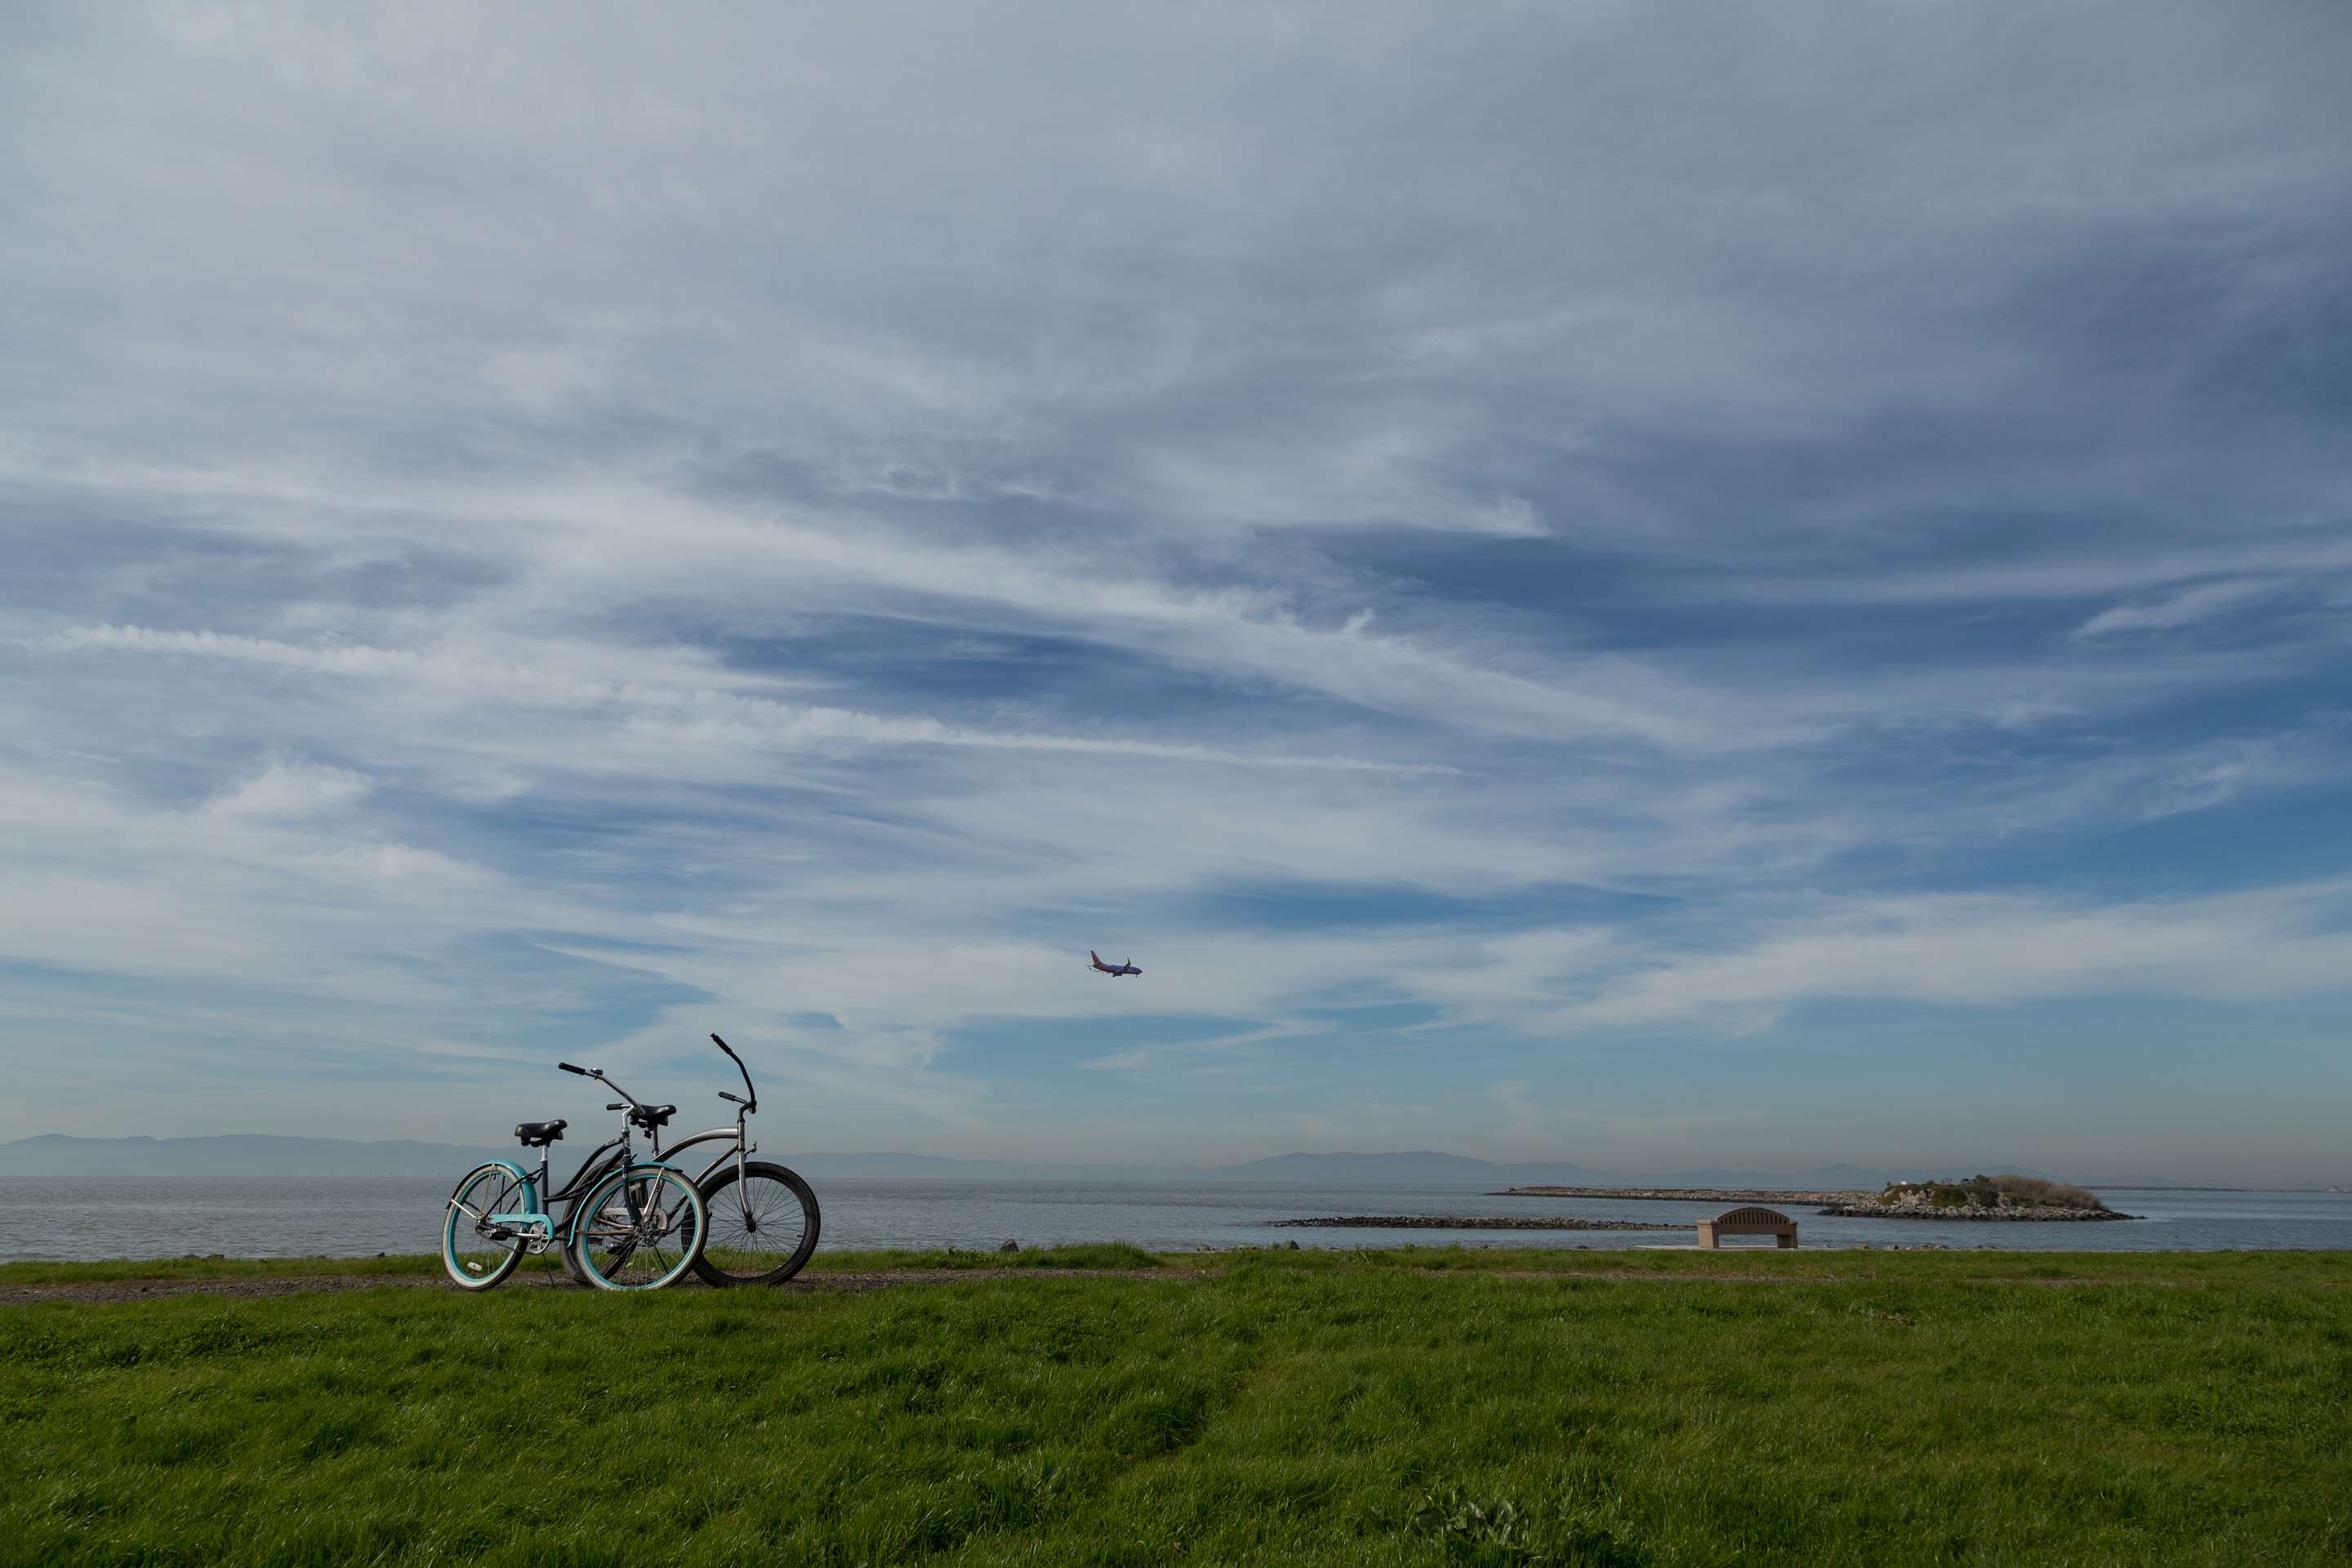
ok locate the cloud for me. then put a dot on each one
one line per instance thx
(673, 712)
(2187, 607)
(283, 789)
(1997, 952)
(398, 862)
(1536, 532)
(1511, 1094)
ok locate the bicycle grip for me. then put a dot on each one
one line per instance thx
(567, 1067)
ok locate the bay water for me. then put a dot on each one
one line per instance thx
(84, 1218)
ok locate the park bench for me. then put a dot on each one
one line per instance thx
(1747, 1221)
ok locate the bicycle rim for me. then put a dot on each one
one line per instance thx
(639, 1230)
(475, 1258)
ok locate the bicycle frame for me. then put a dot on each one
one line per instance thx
(737, 1135)
(534, 1220)
(537, 1228)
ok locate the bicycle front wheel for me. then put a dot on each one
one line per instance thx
(640, 1229)
(762, 1226)
(476, 1253)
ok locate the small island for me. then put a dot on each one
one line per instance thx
(2004, 1197)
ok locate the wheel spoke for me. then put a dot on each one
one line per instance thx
(472, 1255)
(642, 1229)
(762, 1224)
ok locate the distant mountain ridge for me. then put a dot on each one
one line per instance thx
(268, 1154)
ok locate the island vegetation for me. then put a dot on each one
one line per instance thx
(2007, 1197)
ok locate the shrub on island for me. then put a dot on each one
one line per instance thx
(2005, 1197)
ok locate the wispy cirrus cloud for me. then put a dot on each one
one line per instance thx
(2188, 606)
(289, 789)
(1999, 952)
(699, 711)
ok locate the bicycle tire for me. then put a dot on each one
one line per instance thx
(487, 1262)
(725, 1235)
(620, 1252)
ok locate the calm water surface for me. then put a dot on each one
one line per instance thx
(136, 1217)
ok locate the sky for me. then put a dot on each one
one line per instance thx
(1646, 586)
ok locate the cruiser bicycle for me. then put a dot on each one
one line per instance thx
(626, 1223)
(762, 1217)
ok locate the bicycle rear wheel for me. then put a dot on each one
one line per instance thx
(762, 1227)
(640, 1229)
(476, 1253)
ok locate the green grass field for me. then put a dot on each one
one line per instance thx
(1420, 1406)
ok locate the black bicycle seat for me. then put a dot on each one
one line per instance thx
(652, 1116)
(536, 1133)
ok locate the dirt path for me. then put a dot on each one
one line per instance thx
(115, 1290)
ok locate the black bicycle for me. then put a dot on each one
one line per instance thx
(762, 1218)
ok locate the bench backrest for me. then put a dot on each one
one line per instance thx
(1752, 1221)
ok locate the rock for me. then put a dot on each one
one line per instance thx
(1009, 1246)
(1292, 1245)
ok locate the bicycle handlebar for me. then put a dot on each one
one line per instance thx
(753, 1101)
(598, 1074)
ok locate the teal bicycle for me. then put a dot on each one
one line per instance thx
(625, 1224)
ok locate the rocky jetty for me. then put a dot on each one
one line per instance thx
(1479, 1222)
(1686, 1195)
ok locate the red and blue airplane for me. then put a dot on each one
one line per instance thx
(1113, 970)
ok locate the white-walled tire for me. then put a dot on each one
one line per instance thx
(639, 1229)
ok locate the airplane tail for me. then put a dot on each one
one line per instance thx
(1096, 956)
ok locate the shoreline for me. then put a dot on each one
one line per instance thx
(2042, 1214)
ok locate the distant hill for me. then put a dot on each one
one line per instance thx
(264, 1155)
(237, 1154)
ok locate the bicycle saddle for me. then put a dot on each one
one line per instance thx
(534, 1134)
(652, 1116)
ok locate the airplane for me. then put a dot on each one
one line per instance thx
(1113, 970)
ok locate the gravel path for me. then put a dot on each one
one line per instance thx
(808, 1284)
